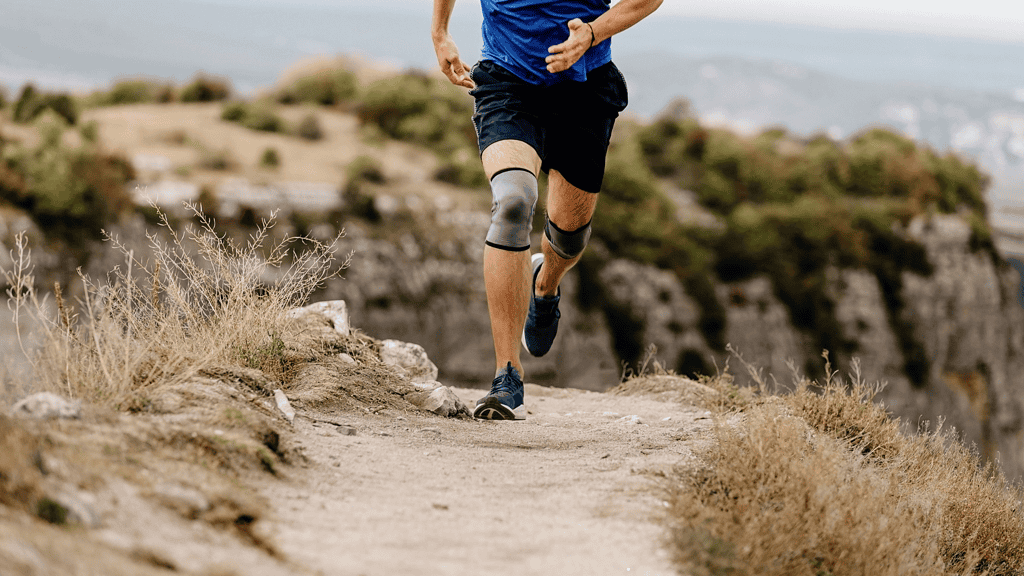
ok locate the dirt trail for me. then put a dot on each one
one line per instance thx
(567, 491)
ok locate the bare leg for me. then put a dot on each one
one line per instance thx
(506, 273)
(570, 209)
(507, 280)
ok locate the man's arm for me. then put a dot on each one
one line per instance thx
(447, 54)
(583, 35)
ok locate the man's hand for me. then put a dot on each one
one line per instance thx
(448, 58)
(564, 55)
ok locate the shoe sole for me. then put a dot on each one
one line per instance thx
(491, 409)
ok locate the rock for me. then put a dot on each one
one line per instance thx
(346, 430)
(334, 310)
(167, 403)
(188, 502)
(47, 406)
(411, 358)
(347, 359)
(428, 385)
(442, 401)
(79, 508)
(283, 405)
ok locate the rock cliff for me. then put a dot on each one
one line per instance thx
(950, 345)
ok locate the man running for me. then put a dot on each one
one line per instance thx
(547, 95)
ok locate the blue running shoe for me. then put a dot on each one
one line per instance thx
(542, 321)
(505, 401)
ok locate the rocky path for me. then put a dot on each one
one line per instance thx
(570, 490)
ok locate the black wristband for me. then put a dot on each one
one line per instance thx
(591, 34)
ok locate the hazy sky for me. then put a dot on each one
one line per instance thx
(992, 19)
(997, 19)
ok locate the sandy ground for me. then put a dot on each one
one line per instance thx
(571, 490)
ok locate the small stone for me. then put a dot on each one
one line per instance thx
(346, 358)
(167, 403)
(284, 406)
(428, 385)
(334, 310)
(79, 508)
(347, 430)
(412, 358)
(47, 406)
(188, 502)
(634, 419)
(442, 401)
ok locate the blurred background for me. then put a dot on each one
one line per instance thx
(788, 178)
(946, 73)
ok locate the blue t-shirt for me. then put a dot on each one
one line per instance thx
(518, 33)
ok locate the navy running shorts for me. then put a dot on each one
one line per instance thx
(569, 124)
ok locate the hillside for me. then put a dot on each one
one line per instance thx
(875, 247)
(710, 249)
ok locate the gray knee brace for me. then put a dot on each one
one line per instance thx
(568, 245)
(515, 194)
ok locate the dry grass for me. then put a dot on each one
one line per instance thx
(201, 301)
(820, 481)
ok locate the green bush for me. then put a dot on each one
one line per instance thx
(3, 97)
(418, 108)
(309, 128)
(462, 170)
(134, 91)
(365, 169)
(791, 209)
(264, 119)
(32, 103)
(258, 116)
(234, 111)
(205, 89)
(270, 158)
(71, 192)
(326, 88)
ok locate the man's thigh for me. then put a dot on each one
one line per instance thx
(569, 207)
(507, 115)
(505, 154)
(579, 127)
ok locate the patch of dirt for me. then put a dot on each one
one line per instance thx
(573, 489)
(208, 477)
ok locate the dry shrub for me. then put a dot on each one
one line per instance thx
(820, 481)
(203, 300)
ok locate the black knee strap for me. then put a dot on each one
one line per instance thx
(568, 245)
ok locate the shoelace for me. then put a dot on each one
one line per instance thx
(504, 383)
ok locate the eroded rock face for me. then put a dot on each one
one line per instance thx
(964, 318)
(434, 296)
(972, 330)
